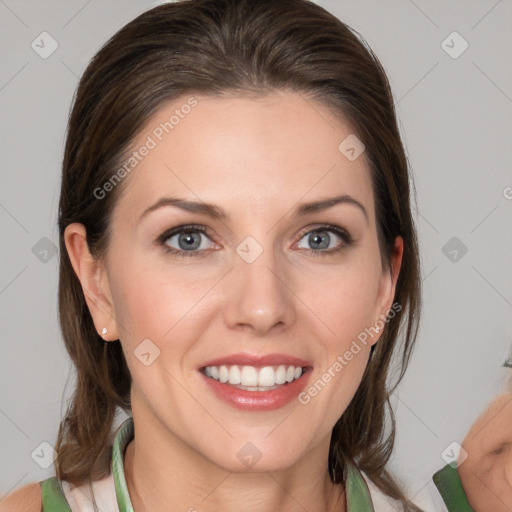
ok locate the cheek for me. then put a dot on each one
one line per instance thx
(157, 310)
(344, 299)
(346, 307)
(150, 300)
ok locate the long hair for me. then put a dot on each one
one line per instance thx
(218, 47)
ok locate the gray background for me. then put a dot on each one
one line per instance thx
(455, 116)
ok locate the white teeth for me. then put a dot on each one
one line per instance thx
(252, 378)
(281, 375)
(223, 374)
(256, 388)
(249, 376)
(267, 377)
(235, 376)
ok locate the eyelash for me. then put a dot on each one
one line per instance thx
(192, 228)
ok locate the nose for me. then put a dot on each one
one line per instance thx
(258, 295)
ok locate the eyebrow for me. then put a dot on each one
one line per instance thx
(216, 212)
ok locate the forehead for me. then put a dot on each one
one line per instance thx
(244, 153)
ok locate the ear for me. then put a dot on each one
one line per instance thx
(94, 280)
(387, 285)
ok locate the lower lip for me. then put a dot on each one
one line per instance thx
(258, 400)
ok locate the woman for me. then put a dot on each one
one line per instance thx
(238, 257)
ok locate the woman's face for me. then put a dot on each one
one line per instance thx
(266, 279)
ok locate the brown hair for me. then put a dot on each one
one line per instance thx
(217, 47)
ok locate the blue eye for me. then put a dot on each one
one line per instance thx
(189, 240)
(321, 240)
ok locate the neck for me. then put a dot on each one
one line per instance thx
(163, 473)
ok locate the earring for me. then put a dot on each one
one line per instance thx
(103, 332)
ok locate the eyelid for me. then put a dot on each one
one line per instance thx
(326, 227)
(500, 449)
(183, 228)
(340, 232)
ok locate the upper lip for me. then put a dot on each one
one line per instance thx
(257, 360)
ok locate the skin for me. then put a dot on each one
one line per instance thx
(486, 474)
(257, 158)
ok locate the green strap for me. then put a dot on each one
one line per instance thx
(123, 436)
(52, 496)
(447, 481)
(358, 494)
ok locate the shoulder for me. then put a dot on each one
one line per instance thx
(24, 499)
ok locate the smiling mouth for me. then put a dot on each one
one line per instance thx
(253, 378)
